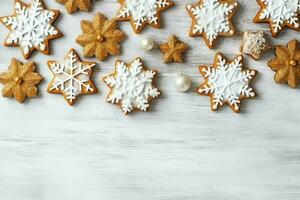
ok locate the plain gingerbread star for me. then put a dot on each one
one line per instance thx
(75, 5)
(173, 50)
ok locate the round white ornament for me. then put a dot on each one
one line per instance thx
(183, 83)
(148, 43)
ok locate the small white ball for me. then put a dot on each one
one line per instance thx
(183, 83)
(148, 43)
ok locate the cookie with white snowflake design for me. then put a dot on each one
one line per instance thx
(131, 86)
(31, 27)
(279, 14)
(142, 12)
(212, 19)
(227, 82)
(72, 77)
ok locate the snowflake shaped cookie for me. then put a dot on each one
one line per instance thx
(227, 82)
(212, 19)
(142, 12)
(72, 78)
(31, 27)
(131, 86)
(279, 13)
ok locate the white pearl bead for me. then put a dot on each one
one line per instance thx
(148, 43)
(183, 83)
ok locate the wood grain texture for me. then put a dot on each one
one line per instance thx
(179, 151)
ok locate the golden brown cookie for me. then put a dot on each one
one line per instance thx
(131, 86)
(31, 27)
(212, 19)
(75, 5)
(173, 50)
(142, 12)
(227, 82)
(72, 78)
(286, 64)
(20, 81)
(100, 38)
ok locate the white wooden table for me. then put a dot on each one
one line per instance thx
(179, 151)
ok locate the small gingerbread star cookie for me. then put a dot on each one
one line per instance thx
(142, 12)
(212, 19)
(31, 27)
(72, 78)
(75, 5)
(173, 50)
(131, 86)
(255, 44)
(227, 82)
(20, 81)
(279, 14)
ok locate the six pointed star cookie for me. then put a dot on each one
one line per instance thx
(31, 27)
(74, 5)
(142, 12)
(20, 80)
(287, 64)
(227, 82)
(131, 86)
(212, 19)
(279, 13)
(173, 50)
(100, 37)
(72, 78)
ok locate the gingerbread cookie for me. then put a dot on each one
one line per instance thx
(131, 86)
(279, 14)
(72, 78)
(227, 82)
(75, 5)
(173, 50)
(20, 81)
(212, 19)
(142, 12)
(31, 27)
(100, 37)
(286, 64)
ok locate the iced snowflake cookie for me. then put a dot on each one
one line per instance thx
(20, 81)
(75, 5)
(72, 77)
(227, 82)
(212, 19)
(31, 27)
(279, 14)
(254, 44)
(131, 86)
(142, 12)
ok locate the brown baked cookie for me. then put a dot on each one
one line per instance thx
(142, 12)
(100, 38)
(212, 19)
(173, 50)
(31, 27)
(75, 5)
(20, 81)
(279, 14)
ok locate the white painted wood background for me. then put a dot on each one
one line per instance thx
(179, 151)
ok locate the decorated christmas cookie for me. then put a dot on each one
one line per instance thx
(212, 19)
(20, 81)
(279, 14)
(173, 50)
(142, 12)
(72, 77)
(227, 82)
(100, 37)
(131, 86)
(31, 27)
(74, 5)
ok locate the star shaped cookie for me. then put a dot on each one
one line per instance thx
(279, 14)
(72, 78)
(212, 19)
(131, 86)
(142, 12)
(75, 5)
(227, 82)
(173, 50)
(20, 81)
(31, 27)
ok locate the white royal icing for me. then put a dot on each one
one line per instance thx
(280, 11)
(30, 26)
(142, 10)
(255, 43)
(212, 18)
(131, 86)
(71, 77)
(228, 82)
